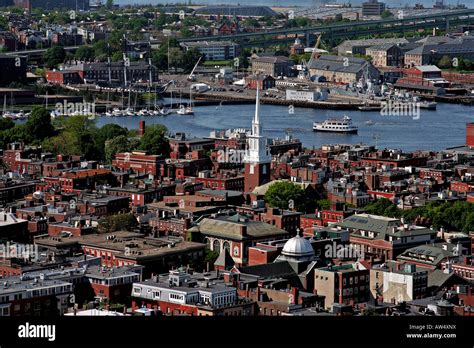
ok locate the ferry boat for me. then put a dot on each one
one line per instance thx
(334, 125)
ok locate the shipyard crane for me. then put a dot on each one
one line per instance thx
(191, 76)
(305, 66)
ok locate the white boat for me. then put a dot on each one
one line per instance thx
(129, 112)
(428, 105)
(165, 111)
(185, 110)
(336, 125)
(116, 112)
(143, 112)
(11, 115)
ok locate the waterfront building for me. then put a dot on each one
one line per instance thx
(260, 81)
(385, 55)
(13, 69)
(273, 66)
(373, 8)
(214, 50)
(345, 70)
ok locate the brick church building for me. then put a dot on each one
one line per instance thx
(257, 158)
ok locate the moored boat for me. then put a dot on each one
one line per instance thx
(336, 125)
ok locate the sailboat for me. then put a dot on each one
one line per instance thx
(108, 113)
(189, 109)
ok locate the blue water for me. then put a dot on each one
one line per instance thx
(435, 130)
(301, 3)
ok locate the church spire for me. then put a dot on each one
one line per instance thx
(257, 107)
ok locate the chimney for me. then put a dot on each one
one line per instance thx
(141, 128)
(295, 293)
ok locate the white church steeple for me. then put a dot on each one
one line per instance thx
(257, 151)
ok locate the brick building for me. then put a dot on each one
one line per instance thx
(179, 293)
(346, 284)
(236, 234)
(140, 162)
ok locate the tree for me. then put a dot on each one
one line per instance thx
(117, 56)
(285, 195)
(110, 131)
(160, 60)
(54, 56)
(6, 123)
(379, 207)
(154, 140)
(85, 53)
(323, 204)
(190, 59)
(109, 4)
(120, 222)
(119, 144)
(444, 63)
(77, 136)
(39, 124)
(210, 256)
(176, 57)
(386, 14)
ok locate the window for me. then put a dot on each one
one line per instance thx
(156, 294)
(137, 291)
(216, 246)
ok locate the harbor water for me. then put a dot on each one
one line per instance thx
(434, 130)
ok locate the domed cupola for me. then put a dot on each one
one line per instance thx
(298, 248)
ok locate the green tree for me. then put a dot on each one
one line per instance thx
(109, 131)
(6, 123)
(154, 140)
(160, 60)
(39, 124)
(379, 207)
(285, 195)
(324, 204)
(119, 144)
(386, 14)
(444, 63)
(77, 136)
(85, 53)
(109, 4)
(190, 59)
(210, 256)
(54, 56)
(119, 222)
